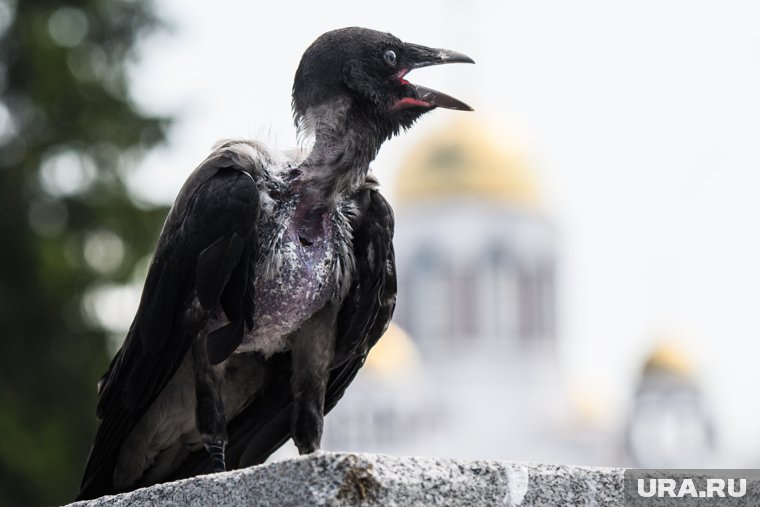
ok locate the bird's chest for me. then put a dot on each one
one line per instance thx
(297, 274)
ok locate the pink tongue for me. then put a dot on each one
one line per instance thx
(410, 102)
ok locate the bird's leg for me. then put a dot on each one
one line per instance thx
(312, 348)
(209, 413)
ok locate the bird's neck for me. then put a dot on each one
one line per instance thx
(338, 163)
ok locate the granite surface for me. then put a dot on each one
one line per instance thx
(340, 479)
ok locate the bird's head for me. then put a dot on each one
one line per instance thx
(366, 69)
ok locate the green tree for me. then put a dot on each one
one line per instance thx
(68, 134)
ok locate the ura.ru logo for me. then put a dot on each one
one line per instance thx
(687, 488)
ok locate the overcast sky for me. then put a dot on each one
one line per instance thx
(642, 121)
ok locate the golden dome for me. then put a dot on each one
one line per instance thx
(394, 352)
(467, 159)
(669, 357)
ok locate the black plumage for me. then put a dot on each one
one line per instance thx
(273, 277)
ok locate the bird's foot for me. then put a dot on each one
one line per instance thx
(307, 431)
(307, 448)
(216, 451)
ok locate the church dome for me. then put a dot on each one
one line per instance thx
(670, 358)
(467, 159)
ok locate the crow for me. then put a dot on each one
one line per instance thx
(272, 278)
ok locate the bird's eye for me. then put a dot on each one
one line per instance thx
(390, 57)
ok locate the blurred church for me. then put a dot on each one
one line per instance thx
(670, 424)
(476, 257)
(468, 368)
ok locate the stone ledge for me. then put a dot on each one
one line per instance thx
(341, 479)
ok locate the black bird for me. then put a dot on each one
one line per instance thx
(273, 277)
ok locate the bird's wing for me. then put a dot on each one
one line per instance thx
(367, 309)
(206, 250)
(263, 426)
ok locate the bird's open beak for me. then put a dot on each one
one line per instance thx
(420, 56)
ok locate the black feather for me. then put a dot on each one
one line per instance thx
(215, 265)
(223, 341)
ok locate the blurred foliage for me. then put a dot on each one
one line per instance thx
(68, 135)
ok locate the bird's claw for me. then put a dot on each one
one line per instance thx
(216, 450)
